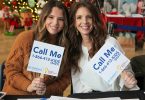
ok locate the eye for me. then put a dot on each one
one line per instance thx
(61, 19)
(89, 16)
(50, 17)
(78, 17)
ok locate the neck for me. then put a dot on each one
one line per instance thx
(52, 39)
(87, 42)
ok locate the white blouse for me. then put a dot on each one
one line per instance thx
(82, 86)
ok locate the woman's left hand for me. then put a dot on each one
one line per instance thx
(129, 79)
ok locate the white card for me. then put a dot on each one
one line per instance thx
(108, 63)
(68, 98)
(45, 58)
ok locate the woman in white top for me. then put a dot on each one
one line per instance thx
(87, 35)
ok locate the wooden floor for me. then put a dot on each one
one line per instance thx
(7, 41)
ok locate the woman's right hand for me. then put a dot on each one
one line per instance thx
(35, 85)
(129, 79)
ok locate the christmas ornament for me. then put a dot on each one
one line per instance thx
(31, 3)
(41, 3)
(14, 2)
(39, 11)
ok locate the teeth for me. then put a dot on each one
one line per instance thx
(85, 27)
(54, 28)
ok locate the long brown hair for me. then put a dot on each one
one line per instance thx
(98, 34)
(41, 33)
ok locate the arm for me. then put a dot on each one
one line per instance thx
(15, 65)
(127, 79)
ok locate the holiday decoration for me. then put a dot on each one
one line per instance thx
(14, 3)
(26, 18)
(11, 20)
(20, 4)
(67, 4)
(31, 3)
(8, 4)
(41, 3)
(34, 5)
(6, 17)
(39, 11)
(14, 22)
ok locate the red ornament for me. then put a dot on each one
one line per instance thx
(14, 3)
(67, 4)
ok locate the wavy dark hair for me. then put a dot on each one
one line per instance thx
(41, 33)
(98, 34)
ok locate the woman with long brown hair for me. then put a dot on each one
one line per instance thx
(51, 28)
(87, 35)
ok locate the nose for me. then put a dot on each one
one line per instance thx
(84, 20)
(55, 21)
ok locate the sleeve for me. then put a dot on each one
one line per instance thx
(79, 84)
(114, 42)
(84, 88)
(14, 66)
(128, 68)
(59, 85)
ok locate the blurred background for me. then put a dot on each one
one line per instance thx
(20, 15)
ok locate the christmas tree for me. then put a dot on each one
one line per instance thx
(34, 5)
(19, 5)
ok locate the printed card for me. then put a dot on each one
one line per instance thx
(108, 63)
(45, 58)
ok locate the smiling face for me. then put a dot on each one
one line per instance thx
(83, 21)
(55, 21)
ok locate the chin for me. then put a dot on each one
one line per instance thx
(85, 33)
(52, 33)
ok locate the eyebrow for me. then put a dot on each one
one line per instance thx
(55, 16)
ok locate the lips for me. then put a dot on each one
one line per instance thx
(85, 27)
(54, 28)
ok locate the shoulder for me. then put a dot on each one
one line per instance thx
(23, 40)
(114, 42)
(25, 36)
(111, 40)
